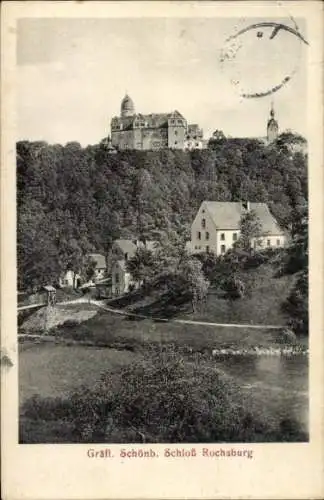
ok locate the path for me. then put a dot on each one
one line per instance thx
(31, 306)
(101, 304)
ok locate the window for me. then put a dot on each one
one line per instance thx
(175, 142)
(222, 236)
(199, 235)
(203, 211)
(203, 223)
(207, 235)
(223, 248)
(117, 278)
(278, 243)
(126, 256)
(234, 236)
(207, 248)
(175, 132)
(269, 243)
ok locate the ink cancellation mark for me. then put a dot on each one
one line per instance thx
(237, 46)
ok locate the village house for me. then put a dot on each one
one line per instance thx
(70, 279)
(122, 250)
(216, 227)
(100, 266)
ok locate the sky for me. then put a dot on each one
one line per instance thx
(73, 74)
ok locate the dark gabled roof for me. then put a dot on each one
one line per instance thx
(129, 247)
(153, 120)
(227, 215)
(126, 246)
(99, 259)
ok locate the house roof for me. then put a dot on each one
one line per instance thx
(49, 288)
(99, 260)
(126, 246)
(227, 215)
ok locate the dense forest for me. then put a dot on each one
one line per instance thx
(73, 200)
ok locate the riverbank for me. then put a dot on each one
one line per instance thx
(27, 340)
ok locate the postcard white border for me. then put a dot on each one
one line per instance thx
(64, 471)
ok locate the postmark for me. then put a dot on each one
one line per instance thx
(262, 57)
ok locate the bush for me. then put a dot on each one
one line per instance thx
(287, 336)
(234, 287)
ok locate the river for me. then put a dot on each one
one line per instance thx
(279, 382)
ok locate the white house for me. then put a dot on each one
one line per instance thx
(121, 280)
(70, 279)
(216, 226)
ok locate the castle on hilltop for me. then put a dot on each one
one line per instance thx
(155, 131)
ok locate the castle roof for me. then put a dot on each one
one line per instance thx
(152, 120)
(227, 215)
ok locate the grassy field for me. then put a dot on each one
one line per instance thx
(261, 305)
(51, 370)
(111, 330)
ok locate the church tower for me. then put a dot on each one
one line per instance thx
(272, 128)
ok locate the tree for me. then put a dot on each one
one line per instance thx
(297, 253)
(195, 282)
(216, 138)
(142, 265)
(250, 229)
(296, 305)
(89, 268)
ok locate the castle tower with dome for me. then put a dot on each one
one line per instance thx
(154, 131)
(127, 107)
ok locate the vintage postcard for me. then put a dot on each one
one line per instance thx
(162, 250)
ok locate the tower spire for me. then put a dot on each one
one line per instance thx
(272, 128)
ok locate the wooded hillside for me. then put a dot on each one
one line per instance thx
(73, 200)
